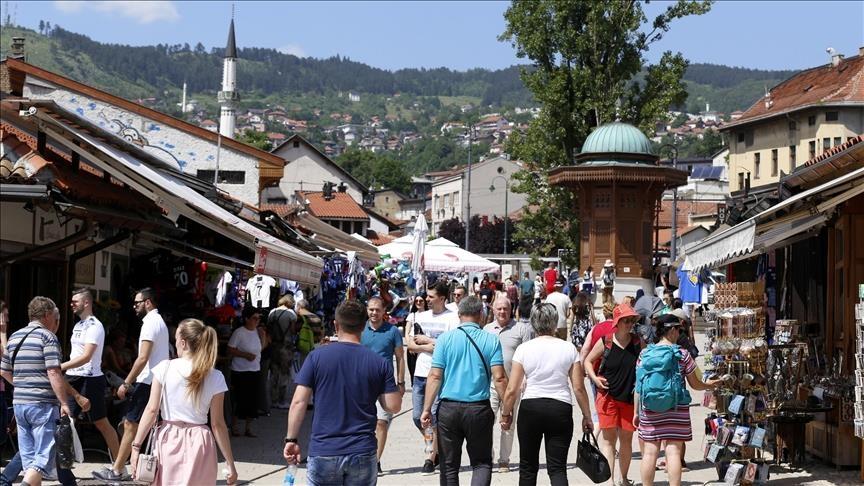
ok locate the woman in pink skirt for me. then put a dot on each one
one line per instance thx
(187, 388)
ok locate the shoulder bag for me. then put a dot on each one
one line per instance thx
(591, 461)
(148, 461)
(483, 358)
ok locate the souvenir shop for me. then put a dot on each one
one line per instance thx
(786, 337)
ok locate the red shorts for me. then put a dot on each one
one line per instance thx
(614, 414)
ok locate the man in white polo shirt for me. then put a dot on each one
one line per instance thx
(84, 368)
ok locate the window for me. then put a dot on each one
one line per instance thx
(225, 176)
(832, 116)
(386, 199)
(792, 150)
(740, 137)
(812, 149)
(774, 163)
(811, 120)
(757, 161)
(740, 181)
(793, 126)
(296, 144)
(456, 199)
(838, 141)
(689, 168)
(748, 139)
(446, 200)
(826, 143)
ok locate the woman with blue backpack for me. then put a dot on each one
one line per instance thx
(662, 400)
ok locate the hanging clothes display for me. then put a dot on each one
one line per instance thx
(259, 290)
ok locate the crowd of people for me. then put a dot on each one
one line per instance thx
(488, 363)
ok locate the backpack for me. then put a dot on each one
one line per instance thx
(277, 328)
(658, 379)
(306, 338)
(607, 279)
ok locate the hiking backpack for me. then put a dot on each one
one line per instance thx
(658, 379)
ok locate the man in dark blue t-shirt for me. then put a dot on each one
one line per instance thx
(350, 378)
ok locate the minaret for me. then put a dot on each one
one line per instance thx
(228, 97)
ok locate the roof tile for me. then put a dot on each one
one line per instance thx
(342, 206)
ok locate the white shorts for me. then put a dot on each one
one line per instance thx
(383, 415)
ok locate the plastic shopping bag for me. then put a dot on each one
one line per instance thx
(76, 444)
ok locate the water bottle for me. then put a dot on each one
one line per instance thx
(428, 437)
(290, 475)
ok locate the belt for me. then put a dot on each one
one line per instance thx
(478, 402)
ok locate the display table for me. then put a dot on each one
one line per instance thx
(790, 435)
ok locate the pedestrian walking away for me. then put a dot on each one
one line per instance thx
(562, 305)
(350, 378)
(607, 280)
(183, 392)
(422, 338)
(465, 362)
(511, 334)
(615, 379)
(582, 320)
(663, 402)
(548, 367)
(385, 340)
(281, 324)
(84, 368)
(152, 350)
(39, 396)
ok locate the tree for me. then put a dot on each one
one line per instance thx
(585, 60)
(41, 26)
(452, 229)
(256, 139)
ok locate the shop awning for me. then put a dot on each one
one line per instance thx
(758, 234)
(273, 257)
(325, 234)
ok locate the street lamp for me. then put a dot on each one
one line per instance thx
(467, 197)
(673, 253)
(506, 197)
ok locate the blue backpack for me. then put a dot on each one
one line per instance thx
(658, 379)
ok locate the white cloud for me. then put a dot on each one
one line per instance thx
(143, 12)
(293, 49)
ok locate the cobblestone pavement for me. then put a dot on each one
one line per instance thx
(259, 460)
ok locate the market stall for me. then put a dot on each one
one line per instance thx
(441, 255)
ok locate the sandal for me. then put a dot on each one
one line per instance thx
(249, 433)
(661, 465)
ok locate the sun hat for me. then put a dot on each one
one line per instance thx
(608, 263)
(622, 311)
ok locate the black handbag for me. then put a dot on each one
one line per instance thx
(591, 461)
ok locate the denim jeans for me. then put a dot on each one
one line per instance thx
(471, 423)
(349, 470)
(36, 424)
(13, 470)
(418, 396)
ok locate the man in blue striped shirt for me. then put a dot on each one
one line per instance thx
(31, 362)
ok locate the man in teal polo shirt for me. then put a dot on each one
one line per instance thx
(386, 341)
(466, 361)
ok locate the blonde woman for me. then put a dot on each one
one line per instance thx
(185, 445)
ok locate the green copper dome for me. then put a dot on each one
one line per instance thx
(617, 137)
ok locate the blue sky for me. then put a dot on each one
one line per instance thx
(458, 35)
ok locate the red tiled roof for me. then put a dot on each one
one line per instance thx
(281, 210)
(342, 206)
(817, 86)
(834, 150)
(379, 239)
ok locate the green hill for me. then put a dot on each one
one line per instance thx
(156, 71)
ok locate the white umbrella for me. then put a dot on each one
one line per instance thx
(418, 248)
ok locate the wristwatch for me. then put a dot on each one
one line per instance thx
(290, 440)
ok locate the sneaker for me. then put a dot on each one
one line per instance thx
(108, 474)
(428, 468)
(625, 482)
(503, 467)
(684, 467)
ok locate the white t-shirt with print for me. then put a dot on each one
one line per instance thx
(547, 361)
(248, 341)
(177, 403)
(432, 325)
(153, 329)
(87, 331)
(259, 290)
(562, 303)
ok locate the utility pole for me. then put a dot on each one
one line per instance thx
(467, 196)
(506, 197)
(673, 248)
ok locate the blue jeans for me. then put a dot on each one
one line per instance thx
(36, 424)
(418, 396)
(350, 470)
(13, 470)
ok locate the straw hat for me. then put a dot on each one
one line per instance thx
(608, 263)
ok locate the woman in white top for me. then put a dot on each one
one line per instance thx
(191, 388)
(549, 366)
(245, 347)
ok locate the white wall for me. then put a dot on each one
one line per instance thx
(440, 212)
(182, 150)
(307, 170)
